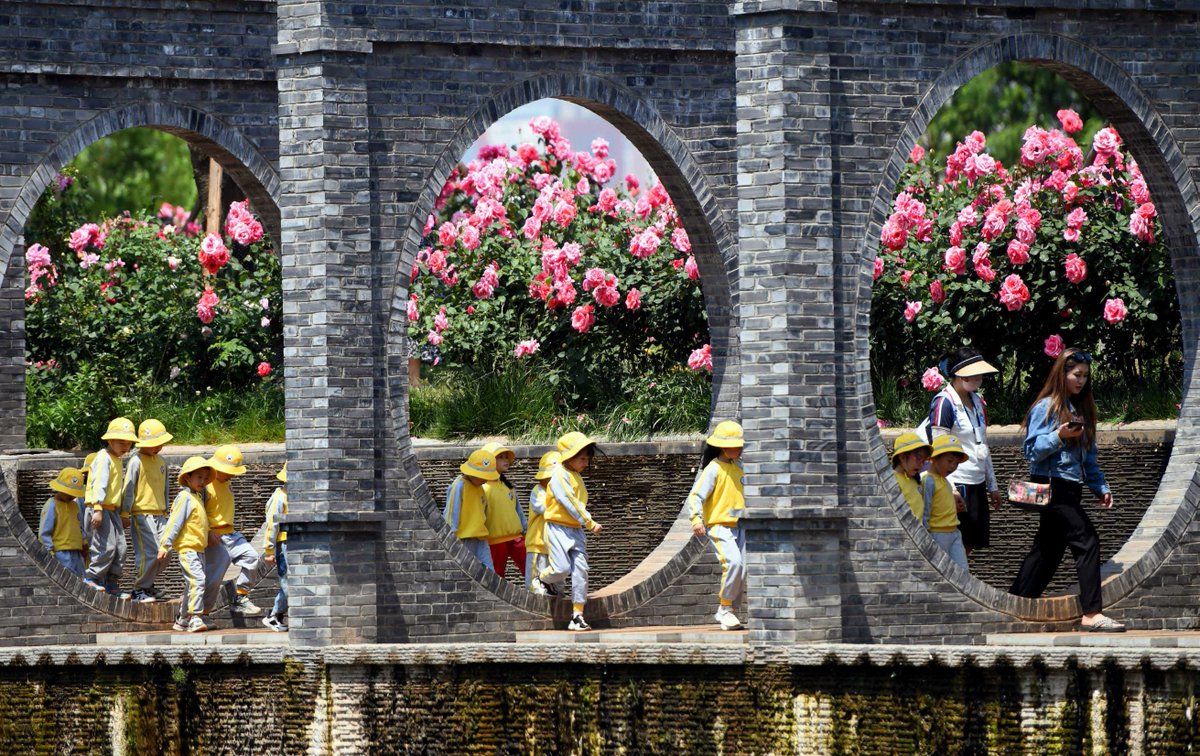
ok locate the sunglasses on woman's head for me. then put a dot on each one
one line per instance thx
(1081, 357)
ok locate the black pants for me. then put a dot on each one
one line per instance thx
(975, 522)
(1063, 524)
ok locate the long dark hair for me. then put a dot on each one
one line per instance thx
(1055, 388)
(957, 357)
(710, 453)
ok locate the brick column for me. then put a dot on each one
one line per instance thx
(12, 353)
(331, 345)
(788, 320)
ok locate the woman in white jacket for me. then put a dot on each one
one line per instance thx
(958, 410)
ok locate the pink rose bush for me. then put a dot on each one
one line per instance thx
(162, 302)
(1060, 249)
(540, 252)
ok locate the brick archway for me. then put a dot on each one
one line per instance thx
(1117, 97)
(713, 245)
(245, 165)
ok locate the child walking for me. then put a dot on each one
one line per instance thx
(535, 534)
(716, 503)
(505, 521)
(61, 528)
(939, 507)
(910, 452)
(466, 504)
(275, 552)
(145, 502)
(186, 531)
(231, 547)
(566, 519)
(106, 479)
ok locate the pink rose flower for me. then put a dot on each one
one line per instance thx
(878, 268)
(1114, 310)
(1013, 293)
(469, 237)
(932, 380)
(1018, 253)
(600, 148)
(689, 267)
(213, 254)
(526, 348)
(644, 244)
(582, 319)
(936, 292)
(633, 299)
(607, 200)
(1106, 142)
(447, 234)
(1071, 122)
(564, 213)
(264, 369)
(1076, 218)
(910, 310)
(205, 306)
(440, 321)
(955, 261)
(680, 240)
(893, 235)
(435, 338)
(1054, 346)
(1076, 268)
(1071, 234)
(701, 359)
(917, 154)
(607, 296)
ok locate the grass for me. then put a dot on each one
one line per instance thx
(521, 405)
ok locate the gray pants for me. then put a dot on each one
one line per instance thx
(534, 564)
(730, 544)
(194, 586)
(72, 560)
(243, 555)
(568, 556)
(952, 544)
(216, 561)
(480, 549)
(146, 531)
(107, 549)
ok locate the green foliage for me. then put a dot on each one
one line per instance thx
(529, 207)
(1001, 102)
(978, 309)
(134, 171)
(112, 322)
(514, 402)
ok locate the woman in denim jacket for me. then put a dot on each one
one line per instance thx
(1060, 444)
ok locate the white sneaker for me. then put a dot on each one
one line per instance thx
(728, 620)
(196, 625)
(537, 587)
(242, 605)
(180, 625)
(274, 623)
(578, 623)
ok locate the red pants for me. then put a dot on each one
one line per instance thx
(502, 552)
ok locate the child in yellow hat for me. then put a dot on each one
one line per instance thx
(226, 545)
(505, 521)
(910, 452)
(103, 499)
(941, 507)
(466, 504)
(187, 532)
(567, 518)
(61, 524)
(716, 503)
(275, 552)
(536, 555)
(145, 503)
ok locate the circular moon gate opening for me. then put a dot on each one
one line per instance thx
(979, 257)
(619, 252)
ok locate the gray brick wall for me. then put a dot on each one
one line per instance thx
(780, 128)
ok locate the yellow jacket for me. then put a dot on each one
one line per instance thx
(106, 477)
(943, 517)
(60, 528)
(145, 491)
(911, 488)
(717, 497)
(187, 527)
(276, 506)
(535, 534)
(219, 505)
(566, 500)
(504, 521)
(466, 509)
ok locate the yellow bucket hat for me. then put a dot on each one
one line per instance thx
(120, 429)
(727, 435)
(228, 459)
(571, 444)
(192, 465)
(546, 465)
(282, 474)
(947, 445)
(69, 481)
(497, 448)
(907, 442)
(87, 462)
(481, 464)
(152, 433)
